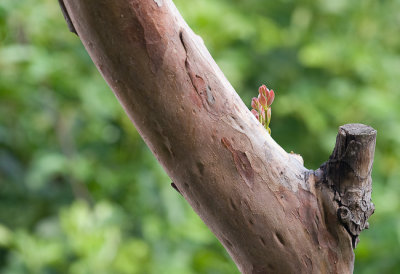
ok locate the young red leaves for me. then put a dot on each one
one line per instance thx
(262, 105)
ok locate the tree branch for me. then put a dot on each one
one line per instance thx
(269, 212)
(348, 175)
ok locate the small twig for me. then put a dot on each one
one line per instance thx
(175, 187)
(67, 17)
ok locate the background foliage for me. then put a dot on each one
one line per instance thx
(80, 192)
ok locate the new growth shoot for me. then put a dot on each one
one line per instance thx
(262, 106)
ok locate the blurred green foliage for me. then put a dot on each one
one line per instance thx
(81, 193)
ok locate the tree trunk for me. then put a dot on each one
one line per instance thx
(271, 213)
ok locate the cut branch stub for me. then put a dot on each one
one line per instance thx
(348, 174)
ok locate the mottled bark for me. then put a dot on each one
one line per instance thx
(271, 213)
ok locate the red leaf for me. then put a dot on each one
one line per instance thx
(269, 114)
(262, 100)
(263, 90)
(255, 113)
(254, 103)
(271, 97)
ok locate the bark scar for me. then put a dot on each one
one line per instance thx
(242, 163)
(203, 90)
(153, 34)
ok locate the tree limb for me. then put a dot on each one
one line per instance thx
(271, 213)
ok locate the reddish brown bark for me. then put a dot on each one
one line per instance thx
(271, 214)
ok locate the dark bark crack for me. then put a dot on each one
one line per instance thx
(202, 88)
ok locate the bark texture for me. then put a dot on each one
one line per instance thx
(271, 213)
(348, 175)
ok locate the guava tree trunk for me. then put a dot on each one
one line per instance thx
(271, 213)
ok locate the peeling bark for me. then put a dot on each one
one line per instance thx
(271, 213)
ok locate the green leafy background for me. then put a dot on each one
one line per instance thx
(81, 193)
